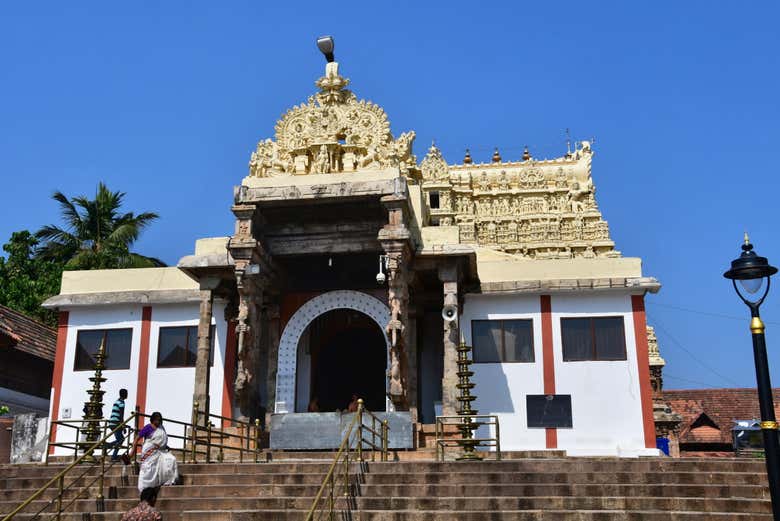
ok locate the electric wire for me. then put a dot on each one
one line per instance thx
(686, 380)
(707, 313)
(659, 326)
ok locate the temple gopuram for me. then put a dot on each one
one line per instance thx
(354, 271)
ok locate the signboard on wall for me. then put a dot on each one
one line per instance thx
(549, 411)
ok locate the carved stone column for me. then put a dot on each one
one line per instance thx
(201, 393)
(451, 337)
(396, 241)
(253, 271)
(248, 331)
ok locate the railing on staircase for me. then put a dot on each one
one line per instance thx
(55, 507)
(450, 433)
(198, 442)
(341, 485)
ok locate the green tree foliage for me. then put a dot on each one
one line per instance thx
(96, 234)
(26, 282)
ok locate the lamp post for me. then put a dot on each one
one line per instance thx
(750, 270)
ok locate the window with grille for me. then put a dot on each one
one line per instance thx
(498, 341)
(178, 346)
(118, 346)
(593, 338)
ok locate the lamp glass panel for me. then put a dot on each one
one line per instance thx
(752, 285)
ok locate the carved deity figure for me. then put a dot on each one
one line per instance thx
(503, 181)
(322, 165)
(578, 196)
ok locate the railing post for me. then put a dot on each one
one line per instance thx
(498, 440)
(138, 421)
(101, 506)
(385, 440)
(360, 430)
(76, 445)
(194, 429)
(48, 442)
(208, 441)
(60, 488)
(257, 439)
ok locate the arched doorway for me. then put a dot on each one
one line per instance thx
(341, 353)
(297, 328)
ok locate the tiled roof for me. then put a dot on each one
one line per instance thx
(709, 414)
(26, 334)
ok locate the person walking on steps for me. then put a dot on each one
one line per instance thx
(117, 417)
(145, 510)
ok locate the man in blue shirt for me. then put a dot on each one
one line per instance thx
(117, 417)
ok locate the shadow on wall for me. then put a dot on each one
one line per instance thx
(492, 389)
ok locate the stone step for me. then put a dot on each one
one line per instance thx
(440, 515)
(519, 465)
(453, 504)
(245, 483)
(430, 495)
(464, 504)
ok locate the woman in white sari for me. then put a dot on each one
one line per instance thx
(158, 465)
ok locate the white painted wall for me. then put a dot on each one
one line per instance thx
(606, 404)
(501, 388)
(169, 390)
(605, 398)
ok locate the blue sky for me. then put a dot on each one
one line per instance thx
(166, 100)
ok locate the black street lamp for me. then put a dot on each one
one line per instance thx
(751, 270)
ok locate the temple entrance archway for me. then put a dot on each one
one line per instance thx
(297, 328)
(341, 353)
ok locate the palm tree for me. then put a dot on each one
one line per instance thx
(96, 235)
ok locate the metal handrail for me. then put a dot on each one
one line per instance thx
(200, 417)
(251, 440)
(343, 456)
(60, 478)
(481, 420)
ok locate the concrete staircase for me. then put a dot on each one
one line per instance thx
(531, 488)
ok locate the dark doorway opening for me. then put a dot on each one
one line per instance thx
(348, 356)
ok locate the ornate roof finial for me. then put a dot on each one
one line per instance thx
(467, 158)
(526, 154)
(496, 156)
(747, 239)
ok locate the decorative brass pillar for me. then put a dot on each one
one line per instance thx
(467, 426)
(94, 406)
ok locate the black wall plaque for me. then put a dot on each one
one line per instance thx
(549, 410)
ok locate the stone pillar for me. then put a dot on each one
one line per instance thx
(451, 338)
(201, 393)
(253, 269)
(272, 313)
(249, 333)
(411, 358)
(395, 239)
(397, 330)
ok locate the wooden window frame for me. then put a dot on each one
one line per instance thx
(502, 349)
(594, 353)
(188, 328)
(105, 339)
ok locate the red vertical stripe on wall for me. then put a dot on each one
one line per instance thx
(229, 371)
(643, 366)
(59, 368)
(143, 358)
(548, 362)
